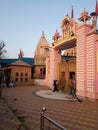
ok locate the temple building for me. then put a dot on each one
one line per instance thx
(41, 52)
(81, 42)
(19, 70)
(28, 70)
(74, 52)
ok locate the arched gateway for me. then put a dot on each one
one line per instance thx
(84, 66)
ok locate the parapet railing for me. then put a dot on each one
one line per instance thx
(42, 121)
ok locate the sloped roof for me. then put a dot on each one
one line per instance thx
(5, 62)
(28, 60)
(20, 63)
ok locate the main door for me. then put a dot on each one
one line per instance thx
(62, 81)
(66, 70)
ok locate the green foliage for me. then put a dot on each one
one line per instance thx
(2, 50)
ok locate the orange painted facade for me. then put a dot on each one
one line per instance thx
(19, 72)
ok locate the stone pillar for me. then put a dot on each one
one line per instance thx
(47, 78)
(55, 58)
(81, 59)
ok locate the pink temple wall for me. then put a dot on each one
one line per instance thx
(90, 71)
(86, 63)
(87, 78)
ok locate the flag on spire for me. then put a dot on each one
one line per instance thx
(20, 55)
(72, 13)
(96, 9)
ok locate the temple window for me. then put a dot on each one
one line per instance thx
(16, 80)
(16, 73)
(21, 74)
(21, 79)
(26, 74)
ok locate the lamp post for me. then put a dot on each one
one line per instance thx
(42, 118)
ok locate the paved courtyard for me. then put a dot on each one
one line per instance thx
(23, 101)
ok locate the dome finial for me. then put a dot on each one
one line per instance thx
(43, 34)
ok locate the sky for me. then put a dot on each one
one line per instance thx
(23, 21)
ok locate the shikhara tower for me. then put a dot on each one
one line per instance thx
(41, 52)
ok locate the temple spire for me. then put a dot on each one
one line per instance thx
(72, 13)
(96, 9)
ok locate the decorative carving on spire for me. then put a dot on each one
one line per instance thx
(43, 34)
(56, 35)
(84, 16)
(43, 47)
(66, 26)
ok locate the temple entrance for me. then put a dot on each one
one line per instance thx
(86, 45)
(66, 70)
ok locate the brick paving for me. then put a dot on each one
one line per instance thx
(73, 115)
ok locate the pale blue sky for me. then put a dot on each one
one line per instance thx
(22, 21)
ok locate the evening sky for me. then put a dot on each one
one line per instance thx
(23, 21)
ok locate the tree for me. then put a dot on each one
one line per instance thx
(2, 50)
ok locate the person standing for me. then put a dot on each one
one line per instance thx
(55, 84)
(7, 80)
(72, 86)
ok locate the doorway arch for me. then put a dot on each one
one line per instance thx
(66, 69)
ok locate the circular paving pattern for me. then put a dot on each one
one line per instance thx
(53, 95)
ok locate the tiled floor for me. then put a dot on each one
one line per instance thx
(71, 114)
